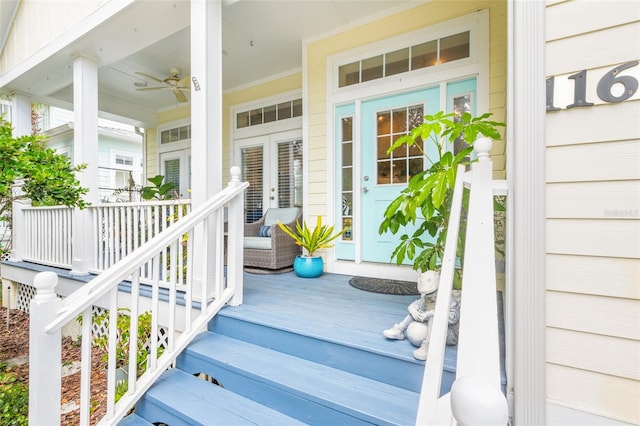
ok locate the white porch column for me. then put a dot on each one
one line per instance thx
(526, 352)
(21, 114)
(85, 150)
(206, 124)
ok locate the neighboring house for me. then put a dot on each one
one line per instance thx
(309, 126)
(119, 159)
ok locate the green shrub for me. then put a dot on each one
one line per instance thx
(14, 400)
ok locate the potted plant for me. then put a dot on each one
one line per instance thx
(426, 201)
(311, 266)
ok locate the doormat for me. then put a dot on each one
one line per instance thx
(379, 285)
(261, 271)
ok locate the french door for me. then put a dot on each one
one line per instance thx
(272, 164)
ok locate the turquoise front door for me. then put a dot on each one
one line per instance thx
(384, 175)
(369, 178)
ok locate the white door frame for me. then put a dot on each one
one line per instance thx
(477, 66)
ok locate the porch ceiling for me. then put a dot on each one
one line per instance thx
(261, 38)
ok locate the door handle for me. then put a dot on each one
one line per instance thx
(365, 189)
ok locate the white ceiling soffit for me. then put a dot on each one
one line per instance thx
(261, 38)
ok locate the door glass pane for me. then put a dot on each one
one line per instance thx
(347, 177)
(402, 163)
(252, 173)
(290, 174)
(461, 104)
(172, 173)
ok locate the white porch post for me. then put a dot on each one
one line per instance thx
(206, 125)
(526, 353)
(21, 114)
(85, 150)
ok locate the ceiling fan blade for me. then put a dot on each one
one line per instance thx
(180, 96)
(150, 77)
(144, 89)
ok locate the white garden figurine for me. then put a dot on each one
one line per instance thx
(416, 326)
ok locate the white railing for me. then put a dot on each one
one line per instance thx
(184, 314)
(121, 228)
(47, 235)
(476, 396)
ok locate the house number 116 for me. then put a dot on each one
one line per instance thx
(605, 85)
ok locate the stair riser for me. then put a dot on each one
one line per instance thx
(156, 412)
(404, 373)
(309, 409)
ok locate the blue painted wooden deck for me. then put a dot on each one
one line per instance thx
(329, 308)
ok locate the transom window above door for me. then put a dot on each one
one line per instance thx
(422, 55)
(269, 114)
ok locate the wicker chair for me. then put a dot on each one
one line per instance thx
(274, 249)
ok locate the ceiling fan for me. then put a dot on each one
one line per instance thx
(174, 82)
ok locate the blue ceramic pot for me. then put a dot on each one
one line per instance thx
(308, 267)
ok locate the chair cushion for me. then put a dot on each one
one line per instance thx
(260, 243)
(284, 215)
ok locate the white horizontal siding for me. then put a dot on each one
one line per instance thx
(593, 217)
(562, 20)
(605, 276)
(611, 122)
(612, 200)
(586, 237)
(608, 316)
(603, 394)
(613, 46)
(594, 162)
(594, 352)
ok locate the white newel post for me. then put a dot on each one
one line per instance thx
(18, 231)
(235, 248)
(45, 359)
(476, 397)
(85, 151)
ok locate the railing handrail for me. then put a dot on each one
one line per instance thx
(30, 206)
(146, 203)
(89, 293)
(432, 379)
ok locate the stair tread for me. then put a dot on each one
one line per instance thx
(181, 392)
(319, 383)
(134, 420)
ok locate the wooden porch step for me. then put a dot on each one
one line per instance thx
(334, 346)
(181, 399)
(134, 420)
(306, 390)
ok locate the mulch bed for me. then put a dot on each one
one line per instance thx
(14, 343)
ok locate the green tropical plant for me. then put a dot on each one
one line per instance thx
(426, 201)
(320, 238)
(14, 399)
(48, 178)
(160, 190)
